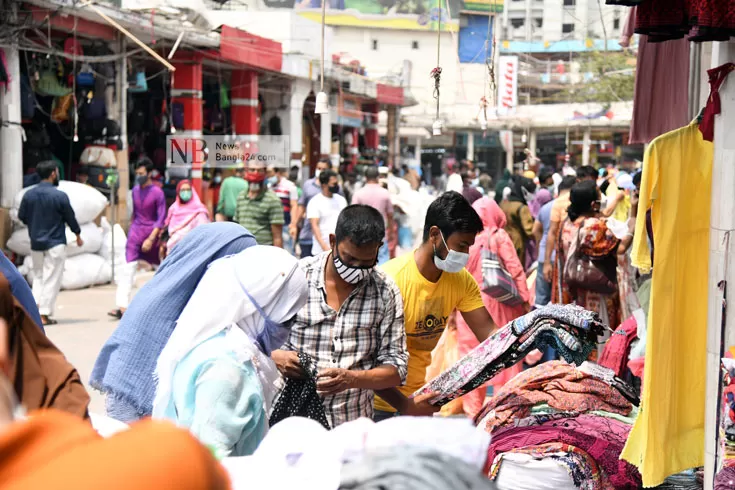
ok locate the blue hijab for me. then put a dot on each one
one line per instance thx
(124, 368)
(20, 289)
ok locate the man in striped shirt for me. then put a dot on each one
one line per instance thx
(352, 323)
(259, 210)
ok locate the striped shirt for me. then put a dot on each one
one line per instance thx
(258, 214)
(365, 333)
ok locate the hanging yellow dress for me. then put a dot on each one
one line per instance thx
(668, 436)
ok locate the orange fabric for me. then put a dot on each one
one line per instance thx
(55, 450)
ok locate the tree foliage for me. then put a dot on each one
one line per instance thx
(613, 78)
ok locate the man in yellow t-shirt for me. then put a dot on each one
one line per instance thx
(433, 283)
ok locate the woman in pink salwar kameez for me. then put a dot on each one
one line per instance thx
(494, 238)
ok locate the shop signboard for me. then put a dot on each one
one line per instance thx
(507, 85)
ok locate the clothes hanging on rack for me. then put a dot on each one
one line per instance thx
(661, 97)
(668, 436)
(698, 20)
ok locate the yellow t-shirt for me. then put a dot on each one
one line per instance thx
(427, 306)
(622, 210)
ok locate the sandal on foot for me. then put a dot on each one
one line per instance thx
(115, 314)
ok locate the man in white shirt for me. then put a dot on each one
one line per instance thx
(323, 211)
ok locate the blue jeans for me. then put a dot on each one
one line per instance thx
(288, 244)
(384, 253)
(305, 249)
(543, 288)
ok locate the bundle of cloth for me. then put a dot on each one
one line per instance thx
(571, 330)
(561, 426)
(401, 453)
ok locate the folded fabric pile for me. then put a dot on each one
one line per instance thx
(598, 439)
(569, 329)
(411, 468)
(402, 453)
(558, 426)
(559, 387)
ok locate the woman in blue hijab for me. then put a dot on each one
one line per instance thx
(124, 368)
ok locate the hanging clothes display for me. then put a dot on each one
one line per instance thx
(668, 436)
(661, 94)
(700, 20)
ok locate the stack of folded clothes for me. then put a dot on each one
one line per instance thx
(569, 329)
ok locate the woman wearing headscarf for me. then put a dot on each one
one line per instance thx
(40, 374)
(501, 185)
(185, 214)
(518, 215)
(215, 375)
(586, 230)
(496, 240)
(124, 368)
(54, 449)
(542, 197)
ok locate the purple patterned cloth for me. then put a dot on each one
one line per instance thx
(600, 437)
(547, 326)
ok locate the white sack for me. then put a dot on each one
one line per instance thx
(80, 271)
(86, 201)
(85, 270)
(106, 250)
(20, 241)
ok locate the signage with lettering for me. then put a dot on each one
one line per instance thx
(507, 85)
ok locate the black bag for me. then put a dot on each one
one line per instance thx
(137, 121)
(95, 108)
(113, 134)
(27, 99)
(33, 156)
(37, 136)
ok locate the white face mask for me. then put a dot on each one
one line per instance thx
(316, 174)
(455, 261)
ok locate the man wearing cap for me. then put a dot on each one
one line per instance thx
(229, 191)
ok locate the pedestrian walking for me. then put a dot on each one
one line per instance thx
(323, 211)
(376, 196)
(288, 193)
(229, 190)
(259, 210)
(149, 213)
(310, 189)
(46, 211)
